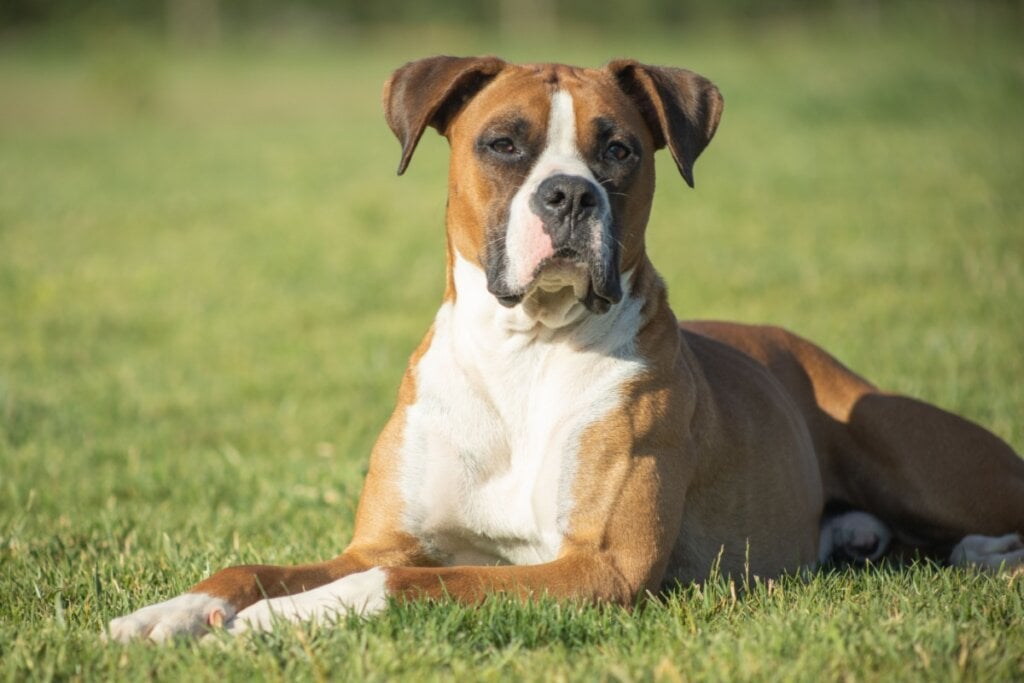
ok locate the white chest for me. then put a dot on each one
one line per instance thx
(492, 441)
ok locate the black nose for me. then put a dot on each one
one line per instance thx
(562, 202)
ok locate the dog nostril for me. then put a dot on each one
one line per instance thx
(556, 199)
(587, 200)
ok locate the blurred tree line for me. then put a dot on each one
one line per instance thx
(204, 19)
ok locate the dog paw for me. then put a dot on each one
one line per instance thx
(188, 615)
(988, 552)
(853, 537)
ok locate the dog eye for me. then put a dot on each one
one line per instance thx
(617, 152)
(504, 146)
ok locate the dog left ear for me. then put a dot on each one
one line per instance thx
(430, 92)
(681, 108)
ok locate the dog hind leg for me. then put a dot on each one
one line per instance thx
(932, 476)
(988, 552)
(926, 471)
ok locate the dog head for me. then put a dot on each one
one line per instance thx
(552, 167)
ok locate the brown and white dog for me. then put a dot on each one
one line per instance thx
(558, 431)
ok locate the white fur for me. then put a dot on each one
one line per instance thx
(364, 594)
(988, 552)
(187, 614)
(525, 242)
(492, 439)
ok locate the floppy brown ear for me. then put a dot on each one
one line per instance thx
(682, 108)
(430, 92)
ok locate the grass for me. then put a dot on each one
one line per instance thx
(210, 281)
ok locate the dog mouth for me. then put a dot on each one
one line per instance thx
(593, 283)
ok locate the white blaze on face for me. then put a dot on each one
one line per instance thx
(526, 243)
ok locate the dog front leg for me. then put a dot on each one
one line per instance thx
(589, 578)
(215, 601)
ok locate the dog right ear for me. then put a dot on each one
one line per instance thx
(682, 108)
(430, 92)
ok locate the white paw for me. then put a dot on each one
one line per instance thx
(853, 537)
(988, 552)
(364, 594)
(191, 614)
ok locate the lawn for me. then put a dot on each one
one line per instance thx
(211, 279)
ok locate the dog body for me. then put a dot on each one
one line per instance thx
(515, 416)
(558, 432)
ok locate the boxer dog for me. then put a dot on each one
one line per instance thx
(559, 433)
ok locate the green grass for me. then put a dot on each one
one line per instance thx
(210, 281)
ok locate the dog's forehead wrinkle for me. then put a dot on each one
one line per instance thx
(513, 119)
(552, 72)
(604, 125)
(608, 126)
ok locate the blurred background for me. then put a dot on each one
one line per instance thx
(210, 272)
(208, 20)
